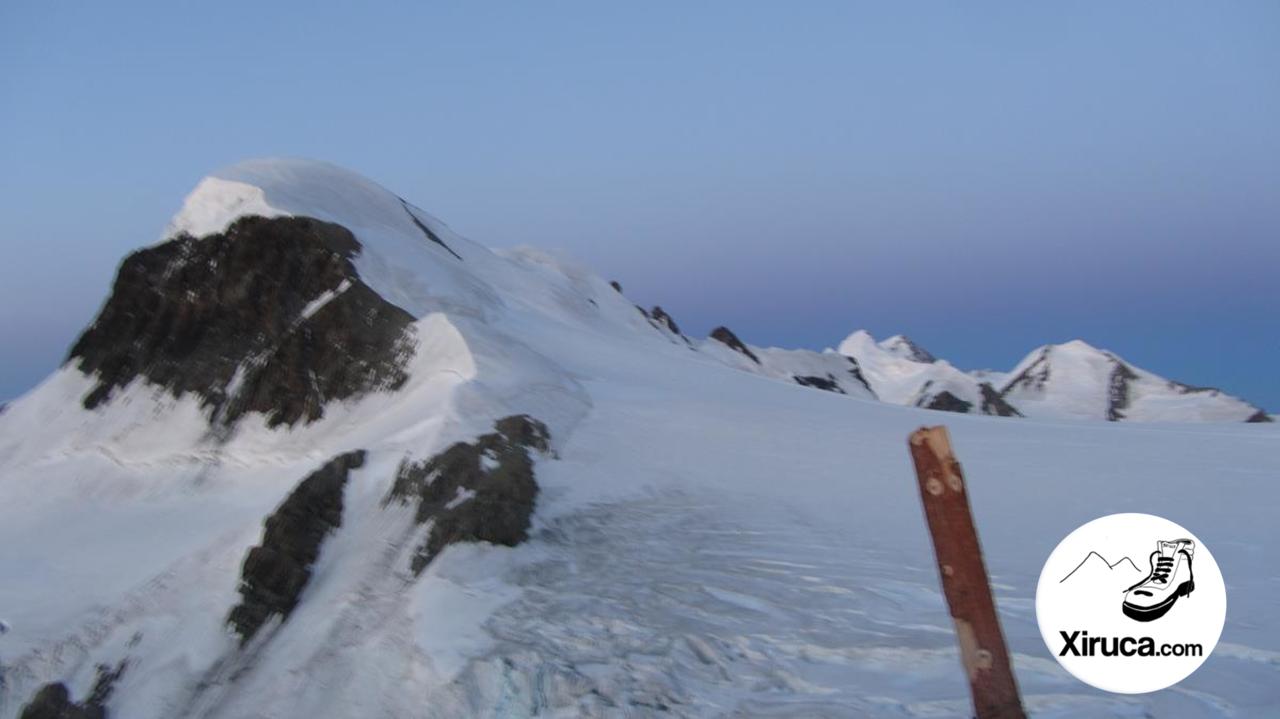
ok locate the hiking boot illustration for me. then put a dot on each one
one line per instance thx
(1169, 579)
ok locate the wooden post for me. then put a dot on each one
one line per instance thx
(964, 576)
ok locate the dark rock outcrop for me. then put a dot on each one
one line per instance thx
(1259, 416)
(53, 701)
(856, 372)
(481, 491)
(191, 314)
(659, 315)
(994, 404)
(1184, 388)
(947, 402)
(827, 383)
(1118, 389)
(525, 431)
(276, 571)
(427, 230)
(1035, 376)
(616, 286)
(915, 352)
(726, 337)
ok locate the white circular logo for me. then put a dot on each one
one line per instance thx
(1131, 603)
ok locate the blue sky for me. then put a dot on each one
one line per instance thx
(985, 178)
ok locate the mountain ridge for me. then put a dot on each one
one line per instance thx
(896, 370)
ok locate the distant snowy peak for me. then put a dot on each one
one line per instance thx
(1062, 379)
(1075, 380)
(900, 371)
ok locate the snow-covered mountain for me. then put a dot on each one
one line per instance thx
(318, 455)
(1066, 381)
(901, 372)
(1077, 381)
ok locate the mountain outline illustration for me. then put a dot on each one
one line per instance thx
(1109, 565)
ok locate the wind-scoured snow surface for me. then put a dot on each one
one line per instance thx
(709, 539)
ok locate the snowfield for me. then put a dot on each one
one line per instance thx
(710, 538)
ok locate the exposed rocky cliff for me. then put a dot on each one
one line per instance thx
(277, 570)
(481, 491)
(268, 316)
(726, 337)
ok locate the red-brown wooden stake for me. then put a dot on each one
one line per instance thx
(964, 576)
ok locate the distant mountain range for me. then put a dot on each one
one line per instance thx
(1073, 380)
